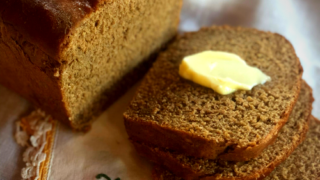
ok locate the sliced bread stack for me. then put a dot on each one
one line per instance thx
(303, 163)
(196, 133)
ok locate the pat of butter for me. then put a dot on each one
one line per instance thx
(221, 71)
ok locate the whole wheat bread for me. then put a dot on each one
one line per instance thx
(290, 136)
(72, 58)
(303, 163)
(171, 112)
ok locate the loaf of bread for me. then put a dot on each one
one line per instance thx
(290, 136)
(303, 163)
(171, 112)
(72, 58)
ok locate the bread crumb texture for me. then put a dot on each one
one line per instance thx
(73, 58)
(243, 117)
(108, 44)
(304, 162)
(290, 136)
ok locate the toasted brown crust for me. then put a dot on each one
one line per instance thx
(162, 157)
(159, 172)
(193, 145)
(56, 18)
(172, 139)
(30, 74)
(170, 161)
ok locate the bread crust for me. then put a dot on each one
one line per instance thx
(165, 158)
(30, 74)
(21, 72)
(159, 172)
(34, 37)
(56, 18)
(184, 142)
(161, 157)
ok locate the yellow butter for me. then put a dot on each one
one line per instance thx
(221, 71)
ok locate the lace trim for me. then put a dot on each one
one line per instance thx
(31, 133)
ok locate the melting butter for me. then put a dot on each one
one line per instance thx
(221, 71)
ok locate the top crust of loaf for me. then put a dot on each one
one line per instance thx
(46, 23)
(171, 112)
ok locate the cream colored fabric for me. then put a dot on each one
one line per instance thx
(37, 122)
(105, 149)
(11, 108)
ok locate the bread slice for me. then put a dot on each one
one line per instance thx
(171, 112)
(303, 163)
(72, 58)
(290, 136)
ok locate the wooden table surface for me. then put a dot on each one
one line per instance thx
(297, 20)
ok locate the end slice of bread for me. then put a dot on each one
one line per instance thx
(303, 163)
(171, 112)
(290, 136)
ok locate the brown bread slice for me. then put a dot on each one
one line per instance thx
(303, 163)
(290, 136)
(171, 112)
(72, 58)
